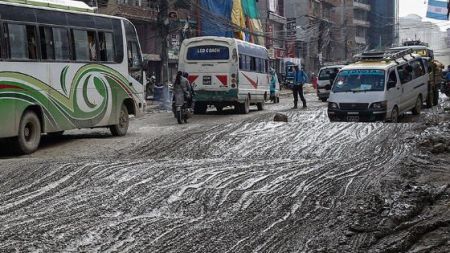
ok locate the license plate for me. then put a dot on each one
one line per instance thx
(352, 118)
(206, 80)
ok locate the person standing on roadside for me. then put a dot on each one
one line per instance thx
(300, 78)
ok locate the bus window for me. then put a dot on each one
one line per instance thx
(118, 41)
(92, 46)
(61, 44)
(17, 39)
(47, 50)
(241, 61)
(106, 46)
(80, 45)
(253, 64)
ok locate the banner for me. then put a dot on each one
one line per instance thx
(438, 9)
(215, 16)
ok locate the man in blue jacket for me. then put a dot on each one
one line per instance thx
(300, 79)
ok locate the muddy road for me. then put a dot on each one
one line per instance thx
(235, 183)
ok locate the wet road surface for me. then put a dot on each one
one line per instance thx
(222, 183)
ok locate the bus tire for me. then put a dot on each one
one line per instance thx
(244, 108)
(200, 108)
(260, 106)
(124, 121)
(29, 135)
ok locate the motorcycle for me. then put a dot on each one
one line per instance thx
(181, 111)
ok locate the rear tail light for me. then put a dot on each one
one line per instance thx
(233, 81)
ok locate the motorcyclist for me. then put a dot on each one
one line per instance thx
(180, 90)
(190, 89)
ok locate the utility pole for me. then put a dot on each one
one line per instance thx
(163, 24)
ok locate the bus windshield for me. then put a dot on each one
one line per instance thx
(209, 52)
(359, 80)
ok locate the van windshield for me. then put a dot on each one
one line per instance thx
(359, 80)
(324, 74)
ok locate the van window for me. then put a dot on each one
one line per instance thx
(404, 73)
(418, 68)
(392, 77)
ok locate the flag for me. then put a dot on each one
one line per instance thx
(438, 9)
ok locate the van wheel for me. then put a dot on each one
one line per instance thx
(260, 106)
(418, 107)
(124, 121)
(394, 115)
(29, 135)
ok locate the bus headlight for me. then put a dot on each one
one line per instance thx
(379, 105)
(333, 106)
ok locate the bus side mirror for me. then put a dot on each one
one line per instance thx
(391, 84)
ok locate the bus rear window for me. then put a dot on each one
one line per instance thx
(204, 53)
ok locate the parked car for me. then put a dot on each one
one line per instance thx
(325, 81)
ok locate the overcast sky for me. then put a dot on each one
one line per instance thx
(418, 7)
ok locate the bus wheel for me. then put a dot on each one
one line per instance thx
(260, 106)
(124, 121)
(200, 108)
(29, 133)
(416, 110)
(244, 108)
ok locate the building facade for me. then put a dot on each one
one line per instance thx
(274, 22)
(383, 17)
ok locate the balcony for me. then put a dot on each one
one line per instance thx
(362, 23)
(360, 5)
(277, 18)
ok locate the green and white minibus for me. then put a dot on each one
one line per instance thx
(64, 67)
(226, 72)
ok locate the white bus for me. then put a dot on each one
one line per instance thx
(226, 72)
(63, 67)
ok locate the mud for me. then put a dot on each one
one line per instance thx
(235, 183)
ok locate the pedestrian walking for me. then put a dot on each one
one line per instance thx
(300, 78)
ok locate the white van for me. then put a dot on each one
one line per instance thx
(324, 81)
(381, 86)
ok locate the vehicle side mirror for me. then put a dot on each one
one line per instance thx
(391, 84)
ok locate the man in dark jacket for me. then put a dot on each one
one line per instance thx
(300, 79)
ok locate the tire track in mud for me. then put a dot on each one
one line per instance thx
(239, 187)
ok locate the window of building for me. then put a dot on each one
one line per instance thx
(61, 44)
(106, 46)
